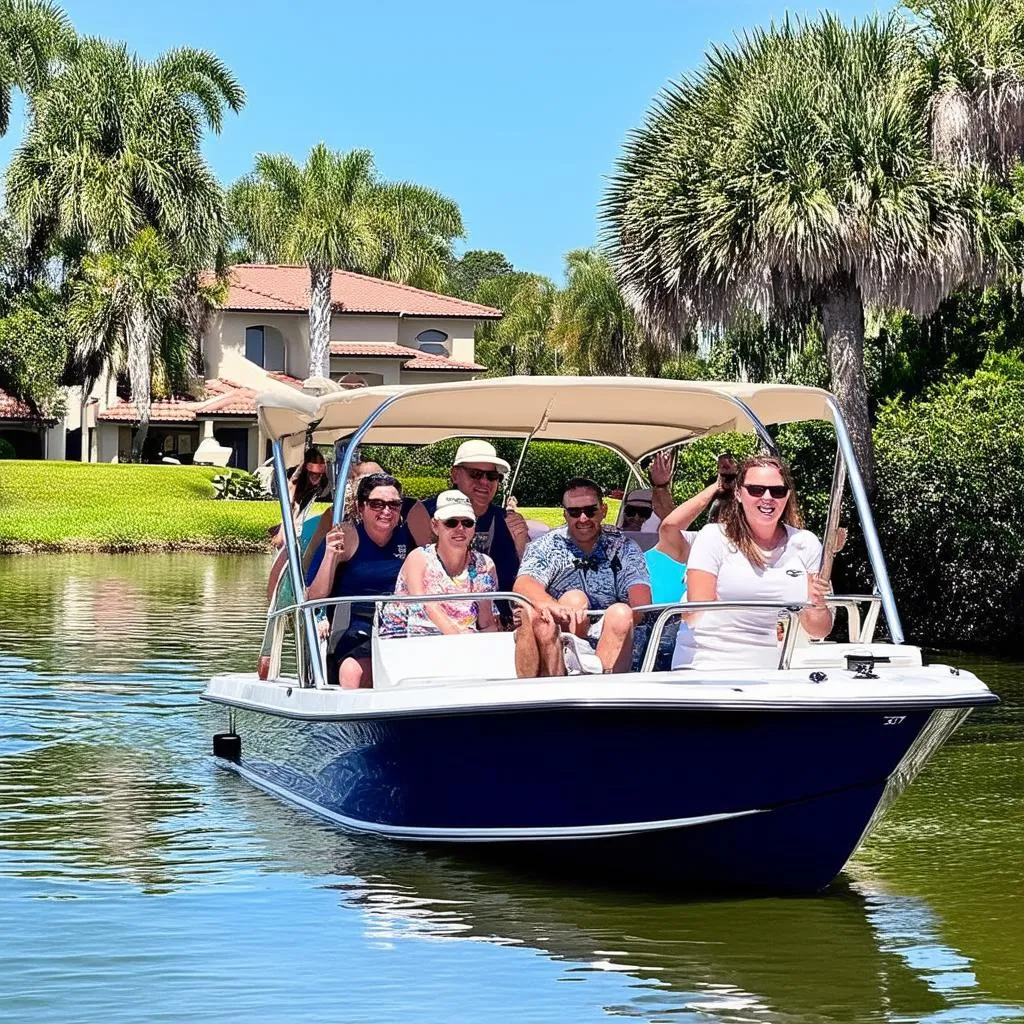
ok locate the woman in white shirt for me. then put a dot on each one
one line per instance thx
(756, 552)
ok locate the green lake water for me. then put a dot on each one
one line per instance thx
(139, 882)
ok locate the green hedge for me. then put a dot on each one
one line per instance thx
(547, 466)
(422, 486)
(951, 501)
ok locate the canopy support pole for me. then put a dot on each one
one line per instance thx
(295, 567)
(867, 522)
(341, 477)
(835, 500)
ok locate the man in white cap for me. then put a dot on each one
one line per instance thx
(500, 533)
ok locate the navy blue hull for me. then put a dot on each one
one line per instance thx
(796, 790)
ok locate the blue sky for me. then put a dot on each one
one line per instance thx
(515, 110)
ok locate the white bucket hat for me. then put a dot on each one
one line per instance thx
(451, 504)
(480, 451)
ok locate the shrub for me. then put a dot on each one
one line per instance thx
(7, 449)
(951, 506)
(423, 486)
(239, 485)
(548, 464)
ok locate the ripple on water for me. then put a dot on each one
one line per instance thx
(146, 884)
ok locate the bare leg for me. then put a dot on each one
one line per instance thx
(549, 647)
(356, 673)
(578, 600)
(615, 646)
(527, 655)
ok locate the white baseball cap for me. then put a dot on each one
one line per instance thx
(453, 503)
(480, 451)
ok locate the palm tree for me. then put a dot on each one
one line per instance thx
(520, 342)
(131, 306)
(33, 35)
(595, 328)
(974, 54)
(797, 169)
(335, 213)
(113, 147)
(113, 150)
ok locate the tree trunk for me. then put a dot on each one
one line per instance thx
(842, 319)
(140, 371)
(320, 321)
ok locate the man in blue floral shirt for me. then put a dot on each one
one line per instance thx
(581, 566)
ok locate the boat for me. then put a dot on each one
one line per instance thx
(727, 780)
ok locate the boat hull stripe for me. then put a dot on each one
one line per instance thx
(482, 835)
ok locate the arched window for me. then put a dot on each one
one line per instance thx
(432, 342)
(264, 346)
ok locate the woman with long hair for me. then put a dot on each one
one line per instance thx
(450, 565)
(757, 551)
(361, 558)
(309, 483)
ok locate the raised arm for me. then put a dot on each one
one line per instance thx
(670, 533)
(660, 475)
(342, 541)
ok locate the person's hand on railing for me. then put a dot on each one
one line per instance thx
(572, 620)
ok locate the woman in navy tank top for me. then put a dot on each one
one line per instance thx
(362, 558)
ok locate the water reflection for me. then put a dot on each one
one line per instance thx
(108, 799)
(858, 953)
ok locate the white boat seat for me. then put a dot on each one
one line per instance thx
(833, 655)
(438, 660)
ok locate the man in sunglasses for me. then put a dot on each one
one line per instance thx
(500, 533)
(644, 508)
(580, 567)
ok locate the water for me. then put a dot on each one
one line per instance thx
(138, 882)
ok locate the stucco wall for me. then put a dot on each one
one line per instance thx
(389, 369)
(106, 442)
(460, 334)
(381, 329)
(224, 346)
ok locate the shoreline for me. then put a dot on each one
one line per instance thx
(86, 546)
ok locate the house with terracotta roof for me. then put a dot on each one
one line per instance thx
(381, 333)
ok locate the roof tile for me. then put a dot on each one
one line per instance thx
(414, 358)
(12, 408)
(223, 398)
(278, 288)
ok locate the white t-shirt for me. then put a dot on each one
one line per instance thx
(746, 638)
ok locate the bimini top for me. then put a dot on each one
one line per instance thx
(632, 415)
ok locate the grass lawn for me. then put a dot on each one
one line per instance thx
(75, 506)
(61, 506)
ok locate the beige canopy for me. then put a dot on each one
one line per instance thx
(633, 415)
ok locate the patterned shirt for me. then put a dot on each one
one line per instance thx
(605, 575)
(411, 619)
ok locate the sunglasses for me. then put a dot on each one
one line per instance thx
(379, 504)
(637, 512)
(576, 511)
(776, 490)
(452, 523)
(478, 474)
